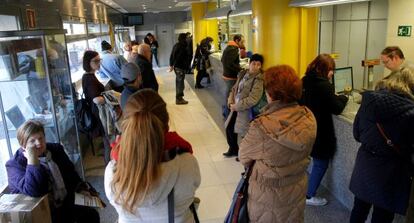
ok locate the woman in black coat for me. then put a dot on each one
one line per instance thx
(381, 176)
(319, 96)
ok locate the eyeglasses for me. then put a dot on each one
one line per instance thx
(96, 61)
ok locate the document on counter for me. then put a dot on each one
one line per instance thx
(88, 200)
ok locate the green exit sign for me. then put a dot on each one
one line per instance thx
(404, 30)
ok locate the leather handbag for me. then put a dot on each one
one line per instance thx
(238, 209)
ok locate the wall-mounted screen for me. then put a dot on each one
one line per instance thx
(133, 19)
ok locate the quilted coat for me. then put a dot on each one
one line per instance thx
(381, 175)
(280, 141)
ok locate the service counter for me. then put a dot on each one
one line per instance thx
(339, 172)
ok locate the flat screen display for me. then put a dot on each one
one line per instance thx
(343, 77)
(135, 19)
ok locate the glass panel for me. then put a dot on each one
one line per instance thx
(23, 87)
(62, 97)
(67, 27)
(105, 28)
(95, 44)
(8, 22)
(78, 28)
(75, 54)
(93, 28)
(4, 155)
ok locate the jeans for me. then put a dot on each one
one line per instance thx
(361, 209)
(231, 136)
(179, 83)
(200, 75)
(229, 85)
(318, 171)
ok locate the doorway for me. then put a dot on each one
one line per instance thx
(165, 36)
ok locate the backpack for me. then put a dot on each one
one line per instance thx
(255, 110)
(84, 116)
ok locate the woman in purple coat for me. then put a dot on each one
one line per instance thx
(39, 168)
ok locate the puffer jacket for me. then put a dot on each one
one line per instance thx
(249, 95)
(280, 141)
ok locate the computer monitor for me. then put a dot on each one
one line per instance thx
(342, 78)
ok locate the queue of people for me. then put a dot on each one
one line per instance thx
(152, 172)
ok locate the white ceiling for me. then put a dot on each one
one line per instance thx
(144, 6)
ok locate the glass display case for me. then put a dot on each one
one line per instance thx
(35, 83)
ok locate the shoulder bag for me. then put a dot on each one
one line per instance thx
(238, 209)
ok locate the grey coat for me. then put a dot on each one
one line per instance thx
(249, 96)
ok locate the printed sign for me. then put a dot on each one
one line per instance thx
(404, 30)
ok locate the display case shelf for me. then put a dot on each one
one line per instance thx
(35, 83)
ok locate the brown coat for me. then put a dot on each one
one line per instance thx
(280, 141)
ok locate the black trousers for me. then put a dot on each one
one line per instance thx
(200, 75)
(361, 209)
(231, 135)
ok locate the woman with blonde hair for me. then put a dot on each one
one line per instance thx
(279, 142)
(151, 164)
(383, 167)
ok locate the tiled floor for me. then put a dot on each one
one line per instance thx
(219, 175)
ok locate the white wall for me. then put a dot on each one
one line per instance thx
(401, 12)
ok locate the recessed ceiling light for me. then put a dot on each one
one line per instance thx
(145, 11)
(169, 7)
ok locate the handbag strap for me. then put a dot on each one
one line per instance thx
(387, 140)
(171, 206)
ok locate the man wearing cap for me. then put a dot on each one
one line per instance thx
(132, 77)
(111, 67)
(143, 60)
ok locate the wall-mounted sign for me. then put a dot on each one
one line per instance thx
(31, 18)
(404, 30)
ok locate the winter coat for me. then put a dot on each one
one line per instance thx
(148, 76)
(231, 61)
(92, 88)
(280, 141)
(319, 96)
(33, 180)
(249, 95)
(182, 173)
(179, 56)
(381, 175)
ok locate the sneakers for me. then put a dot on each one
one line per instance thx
(316, 201)
(181, 101)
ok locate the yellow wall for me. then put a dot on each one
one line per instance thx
(284, 35)
(202, 27)
(401, 12)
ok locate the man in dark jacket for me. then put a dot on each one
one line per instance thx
(179, 62)
(143, 61)
(231, 66)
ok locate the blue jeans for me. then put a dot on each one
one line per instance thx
(229, 85)
(179, 83)
(318, 171)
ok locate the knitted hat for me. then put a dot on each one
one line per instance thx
(130, 72)
(105, 45)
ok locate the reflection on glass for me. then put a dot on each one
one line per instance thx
(93, 27)
(35, 83)
(75, 54)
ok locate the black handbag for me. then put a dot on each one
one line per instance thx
(238, 209)
(84, 116)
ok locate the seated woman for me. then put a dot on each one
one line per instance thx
(146, 170)
(39, 168)
(279, 142)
